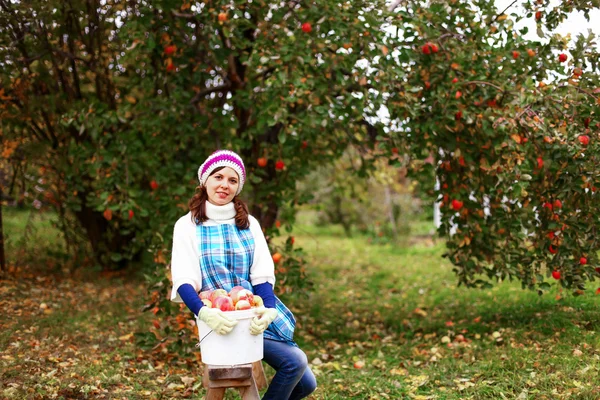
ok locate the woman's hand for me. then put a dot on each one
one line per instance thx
(263, 320)
(216, 320)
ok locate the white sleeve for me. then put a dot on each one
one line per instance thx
(263, 268)
(185, 267)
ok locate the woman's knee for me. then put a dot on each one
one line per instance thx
(297, 362)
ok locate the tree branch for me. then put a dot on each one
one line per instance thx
(484, 83)
(200, 95)
(502, 13)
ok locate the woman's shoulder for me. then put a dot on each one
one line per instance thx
(185, 222)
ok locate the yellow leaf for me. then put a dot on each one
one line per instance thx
(502, 17)
(126, 337)
(384, 50)
(131, 99)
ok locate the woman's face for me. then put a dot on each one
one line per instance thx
(221, 186)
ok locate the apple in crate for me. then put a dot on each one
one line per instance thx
(258, 301)
(244, 295)
(205, 294)
(216, 293)
(236, 292)
(223, 303)
(207, 303)
(243, 305)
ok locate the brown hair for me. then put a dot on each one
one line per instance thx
(197, 205)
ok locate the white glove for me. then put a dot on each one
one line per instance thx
(263, 320)
(216, 320)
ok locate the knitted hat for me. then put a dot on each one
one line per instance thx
(222, 158)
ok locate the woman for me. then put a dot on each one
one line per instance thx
(219, 245)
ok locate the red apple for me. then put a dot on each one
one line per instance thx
(222, 16)
(457, 204)
(584, 139)
(552, 249)
(548, 206)
(233, 293)
(434, 47)
(515, 54)
(556, 274)
(538, 15)
(279, 165)
(205, 294)
(306, 27)
(131, 214)
(427, 84)
(530, 52)
(243, 305)
(540, 162)
(458, 115)
(223, 303)
(276, 257)
(170, 49)
(426, 49)
(216, 293)
(583, 261)
(557, 203)
(153, 185)
(458, 94)
(455, 80)
(551, 235)
(304, 144)
(562, 57)
(170, 67)
(262, 162)
(107, 214)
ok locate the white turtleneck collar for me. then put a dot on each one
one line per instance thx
(220, 213)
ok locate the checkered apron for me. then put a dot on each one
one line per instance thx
(226, 255)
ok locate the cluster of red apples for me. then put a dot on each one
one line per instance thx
(238, 298)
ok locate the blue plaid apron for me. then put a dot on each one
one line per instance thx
(226, 255)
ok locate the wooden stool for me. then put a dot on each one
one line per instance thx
(248, 379)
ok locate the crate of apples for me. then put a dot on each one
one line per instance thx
(237, 299)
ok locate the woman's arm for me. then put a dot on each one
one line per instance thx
(184, 257)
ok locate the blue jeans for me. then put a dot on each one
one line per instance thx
(293, 378)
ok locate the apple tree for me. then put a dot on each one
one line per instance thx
(512, 124)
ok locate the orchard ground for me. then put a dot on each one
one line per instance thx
(382, 322)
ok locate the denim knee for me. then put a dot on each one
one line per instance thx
(295, 363)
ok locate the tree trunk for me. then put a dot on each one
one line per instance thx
(104, 239)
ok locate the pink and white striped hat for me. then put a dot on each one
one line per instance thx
(223, 158)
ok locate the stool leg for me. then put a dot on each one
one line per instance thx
(215, 393)
(259, 375)
(249, 392)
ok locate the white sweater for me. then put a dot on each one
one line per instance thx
(185, 257)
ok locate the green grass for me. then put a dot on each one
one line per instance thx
(397, 309)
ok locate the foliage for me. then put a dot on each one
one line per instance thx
(508, 122)
(380, 205)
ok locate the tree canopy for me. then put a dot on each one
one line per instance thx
(115, 104)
